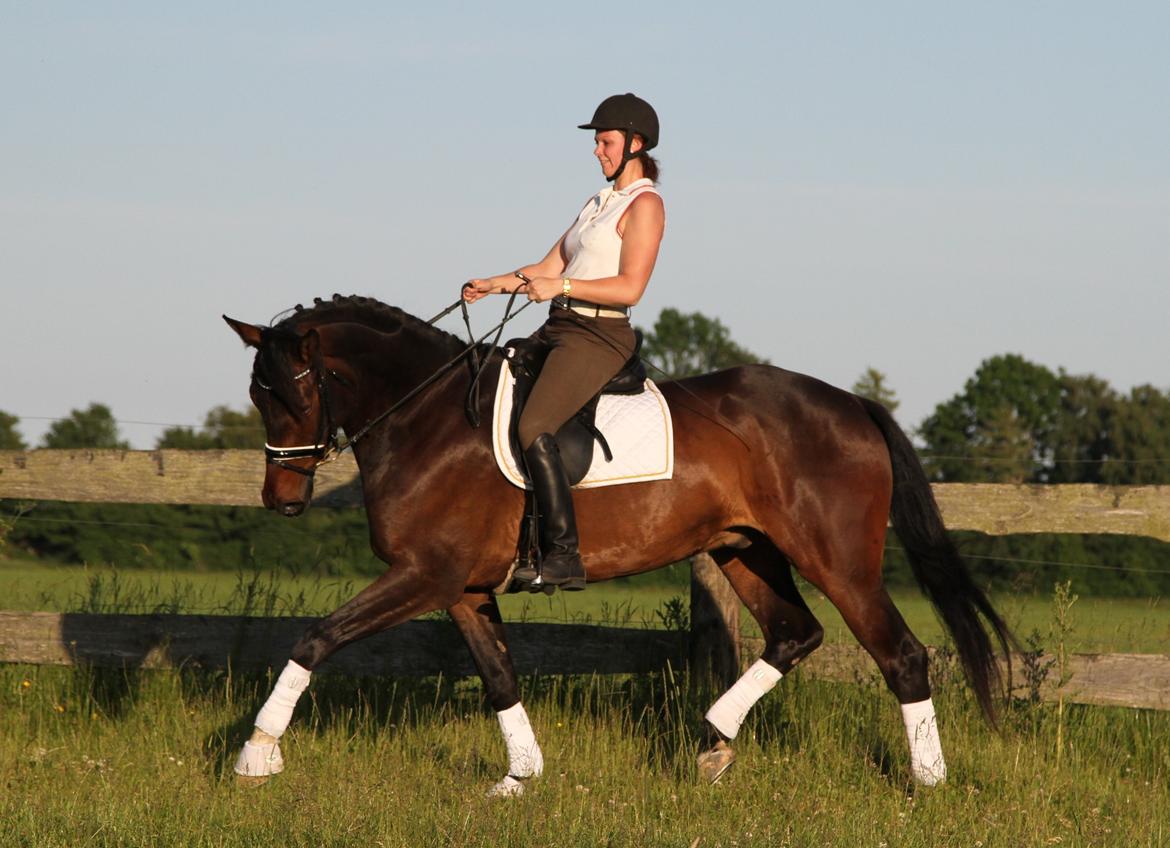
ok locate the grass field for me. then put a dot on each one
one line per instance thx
(143, 758)
(103, 758)
(1099, 624)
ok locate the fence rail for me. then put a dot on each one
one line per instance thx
(414, 649)
(424, 648)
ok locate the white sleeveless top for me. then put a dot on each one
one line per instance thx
(592, 245)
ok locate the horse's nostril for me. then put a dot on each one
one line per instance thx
(292, 508)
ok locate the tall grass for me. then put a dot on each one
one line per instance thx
(100, 757)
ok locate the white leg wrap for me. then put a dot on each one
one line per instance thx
(524, 756)
(278, 709)
(926, 757)
(729, 711)
(259, 760)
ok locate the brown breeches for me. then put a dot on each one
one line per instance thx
(586, 353)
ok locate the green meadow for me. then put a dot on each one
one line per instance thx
(111, 758)
(108, 757)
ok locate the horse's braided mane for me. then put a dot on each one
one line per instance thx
(358, 309)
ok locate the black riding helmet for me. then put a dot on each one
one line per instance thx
(628, 114)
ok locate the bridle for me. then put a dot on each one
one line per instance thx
(327, 446)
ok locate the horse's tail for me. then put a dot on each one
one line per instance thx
(939, 569)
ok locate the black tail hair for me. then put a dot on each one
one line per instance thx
(939, 569)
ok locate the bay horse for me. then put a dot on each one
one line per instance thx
(774, 471)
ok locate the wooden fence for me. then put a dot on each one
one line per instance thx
(234, 478)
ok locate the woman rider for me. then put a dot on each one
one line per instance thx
(591, 277)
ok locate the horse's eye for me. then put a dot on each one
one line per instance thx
(260, 382)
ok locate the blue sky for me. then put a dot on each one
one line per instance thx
(909, 186)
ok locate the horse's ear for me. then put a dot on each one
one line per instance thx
(248, 332)
(310, 344)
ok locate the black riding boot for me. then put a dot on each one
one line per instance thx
(560, 563)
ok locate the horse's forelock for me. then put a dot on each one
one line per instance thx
(273, 360)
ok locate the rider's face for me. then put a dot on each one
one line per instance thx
(608, 146)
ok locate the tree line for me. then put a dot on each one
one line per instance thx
(1013, 421)
(1019, 422)
(96, 428)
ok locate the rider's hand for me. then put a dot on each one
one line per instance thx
(473, 290)
(545, 288)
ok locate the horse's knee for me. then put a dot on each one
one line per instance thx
(906, 672)
(784, 654)
(312, 648)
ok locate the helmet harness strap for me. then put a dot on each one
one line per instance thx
(626, 155)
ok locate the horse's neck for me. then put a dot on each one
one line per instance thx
(387, 366)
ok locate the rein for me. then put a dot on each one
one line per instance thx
(328, 447)
(445, 367)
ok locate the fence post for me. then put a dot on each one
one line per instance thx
(714, 647)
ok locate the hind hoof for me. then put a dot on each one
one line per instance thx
(713, 764)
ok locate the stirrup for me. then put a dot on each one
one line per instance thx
(533, 579)
(572, 576)
(537, 585)
(526, 576)
(525, 572)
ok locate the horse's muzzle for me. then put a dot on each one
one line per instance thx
(287, 494)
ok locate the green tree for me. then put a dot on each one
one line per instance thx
(872, 385)
(9, 436)
(1140, 438)
(1000, 428)
(94, 427)
(685, 345)
(1004, 449)
(1082, 439)
(222, 428)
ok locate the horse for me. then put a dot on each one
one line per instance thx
(775, 472)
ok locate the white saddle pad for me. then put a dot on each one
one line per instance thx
(637, 428)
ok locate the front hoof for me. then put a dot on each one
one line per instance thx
(258, 762)
(713, 764)
(248, 782)
(507, 787)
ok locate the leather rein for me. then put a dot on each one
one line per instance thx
(328, 446)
